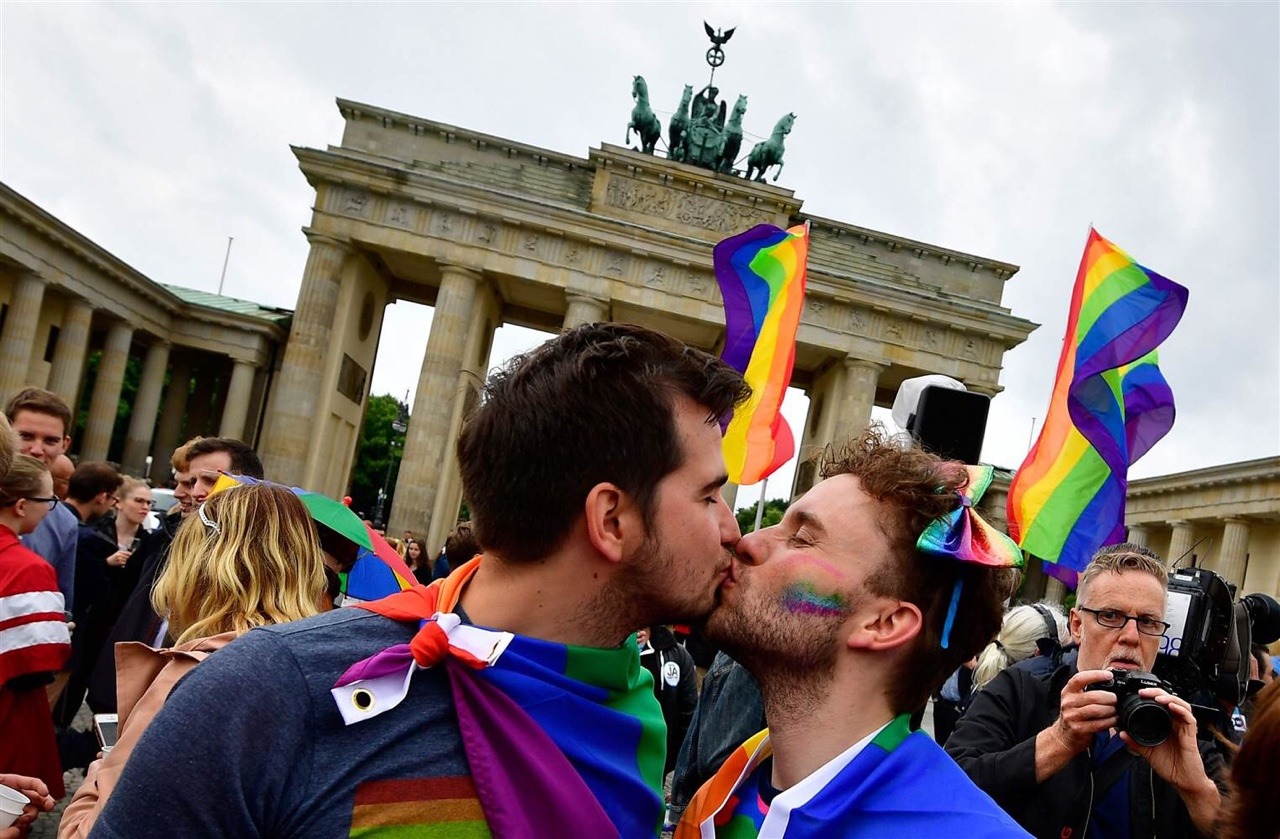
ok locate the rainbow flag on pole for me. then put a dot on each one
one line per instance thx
(762, 276)
(1110, 405)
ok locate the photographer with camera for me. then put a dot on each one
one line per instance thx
(1102, 750)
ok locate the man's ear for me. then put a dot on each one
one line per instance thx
(1074, 622)
(888, 625)
(613, 523)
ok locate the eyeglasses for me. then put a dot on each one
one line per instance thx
(52, 502)
(206, 521)
(1112, 619)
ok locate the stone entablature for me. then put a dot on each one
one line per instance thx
(1249, 488)
(490, 230)
(209, 359)
(642, 230)
(35, 242)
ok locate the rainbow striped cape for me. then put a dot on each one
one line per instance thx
(894, 783)
(761, 274)
(559, 739)
(1110, 405)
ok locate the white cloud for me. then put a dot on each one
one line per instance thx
(159, 130)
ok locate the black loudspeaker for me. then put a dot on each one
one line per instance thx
(950, 423)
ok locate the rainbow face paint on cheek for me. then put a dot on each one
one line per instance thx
(803, 599)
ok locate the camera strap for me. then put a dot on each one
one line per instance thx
(1112, 769)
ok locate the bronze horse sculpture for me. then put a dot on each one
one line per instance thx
(769, 153)
(677, 130)
(642, 117)
(732, 140)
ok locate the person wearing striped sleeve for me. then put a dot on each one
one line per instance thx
(34, 641)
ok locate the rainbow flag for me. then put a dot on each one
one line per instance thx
(556, 736)
(1110, 405)
(762, 276)
(897, 783)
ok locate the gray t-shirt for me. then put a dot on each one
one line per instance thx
(251, 744)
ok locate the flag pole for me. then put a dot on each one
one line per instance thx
(760, 505)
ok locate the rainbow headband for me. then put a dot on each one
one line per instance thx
(964, 536)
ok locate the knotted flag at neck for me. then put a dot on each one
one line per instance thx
(556, 736)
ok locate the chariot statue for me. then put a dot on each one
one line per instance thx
(702, 131)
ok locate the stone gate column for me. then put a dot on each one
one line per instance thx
(1055, 591)
(860, 380)
(236, 407)
(427, 438)
(70, 351)
(1139, 534)
(1180, 542)
(104, 405)
(169, 432)
(19, 334)
(297, 390)
(583, 308)
(1235, 550)
(142, 418)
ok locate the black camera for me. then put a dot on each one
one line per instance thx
(1146, 720)
(1206, 648)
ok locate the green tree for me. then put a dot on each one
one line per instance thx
(773, 511)
(128, 395)
(378, 454)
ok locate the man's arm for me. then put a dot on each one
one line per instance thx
(228, 754)
(1009, 766)
(989, 747)
(1178, 760)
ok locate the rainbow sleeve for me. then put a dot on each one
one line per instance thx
(762, 279)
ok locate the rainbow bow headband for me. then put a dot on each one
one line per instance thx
(964, 536)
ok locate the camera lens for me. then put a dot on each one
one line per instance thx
(1147, 721)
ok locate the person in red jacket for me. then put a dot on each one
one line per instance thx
(33, 624)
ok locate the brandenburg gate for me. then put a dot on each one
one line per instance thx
(490, 231)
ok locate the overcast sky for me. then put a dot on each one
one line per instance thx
(1002, 130)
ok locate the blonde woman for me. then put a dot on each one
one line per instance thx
(248, 557)
(1027, 632)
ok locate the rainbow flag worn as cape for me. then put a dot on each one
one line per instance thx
(762, 277)
(895, 783)
(1110, 405)
(560, 740)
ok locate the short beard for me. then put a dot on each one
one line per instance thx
(641, 594)
(792, 657)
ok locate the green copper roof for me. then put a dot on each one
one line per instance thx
(209, 300)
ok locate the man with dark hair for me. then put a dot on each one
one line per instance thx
(91, 492)
(506, 699)
(849, 613)
(459, 546)
(211, 457)
(1047, 748)
(42, 422)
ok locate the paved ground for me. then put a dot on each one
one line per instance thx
(46, 827)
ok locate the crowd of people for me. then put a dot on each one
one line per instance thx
(531, 683)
